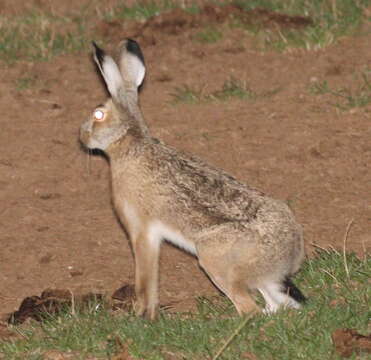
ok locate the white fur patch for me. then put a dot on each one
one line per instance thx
(275, 298)
(112, 76)
(132, 69)
(158, 232)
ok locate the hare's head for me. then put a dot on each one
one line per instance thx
(120, 115)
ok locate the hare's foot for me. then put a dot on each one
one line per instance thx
(140, 307)
(149, 312)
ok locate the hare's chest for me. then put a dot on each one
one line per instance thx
(133, 222)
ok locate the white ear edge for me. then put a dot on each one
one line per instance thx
(141, 71)
(133, 69)
(111, 75)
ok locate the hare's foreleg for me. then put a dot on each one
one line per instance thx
(146, 253)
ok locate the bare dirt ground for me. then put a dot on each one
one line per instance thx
(57, 226)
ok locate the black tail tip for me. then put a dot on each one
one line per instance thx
(290, 288)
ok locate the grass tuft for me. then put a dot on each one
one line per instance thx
(24, 83)
(336, 301)
(231, 89)
(141, 10)
(234, 88)
(330, 21)
(209, 35)
(39, 36)
(186, 94)
(348, 98)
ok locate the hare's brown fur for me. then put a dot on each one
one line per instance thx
(244, 240)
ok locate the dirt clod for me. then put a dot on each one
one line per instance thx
(50, 196)
(124, 293)
(348, 341)
(122, 351)
(124, 297)
(53, 301)
(50, 302)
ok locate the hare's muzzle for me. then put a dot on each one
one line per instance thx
(85, 134)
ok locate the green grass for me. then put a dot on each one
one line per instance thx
(338, 298)
(234, 88)
(331, 20)
(25, 83)
(186, 94)
(346, 97)
(231, 89)
(208, 35)
(38, 35)
(141, 10)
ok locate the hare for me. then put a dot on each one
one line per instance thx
(244, 240)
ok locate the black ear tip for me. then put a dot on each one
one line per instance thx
(133, 47)
(99, 53)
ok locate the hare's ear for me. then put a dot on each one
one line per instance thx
(110, 72)
(131, 62)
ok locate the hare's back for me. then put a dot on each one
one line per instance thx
(197, 184)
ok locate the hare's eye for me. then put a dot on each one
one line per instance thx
(99, 115)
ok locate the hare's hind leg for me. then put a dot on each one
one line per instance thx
(231, 283)
(215, 252)
(240, 296)
(146, 253)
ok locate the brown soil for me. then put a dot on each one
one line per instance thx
(58, 229)
(349, 341)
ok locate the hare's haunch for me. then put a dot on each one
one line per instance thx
(243, 239)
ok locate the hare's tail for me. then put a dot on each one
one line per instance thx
(282, 293)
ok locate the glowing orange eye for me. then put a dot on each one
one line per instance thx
(99, 115)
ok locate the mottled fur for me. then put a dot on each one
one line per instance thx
(244, 240)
